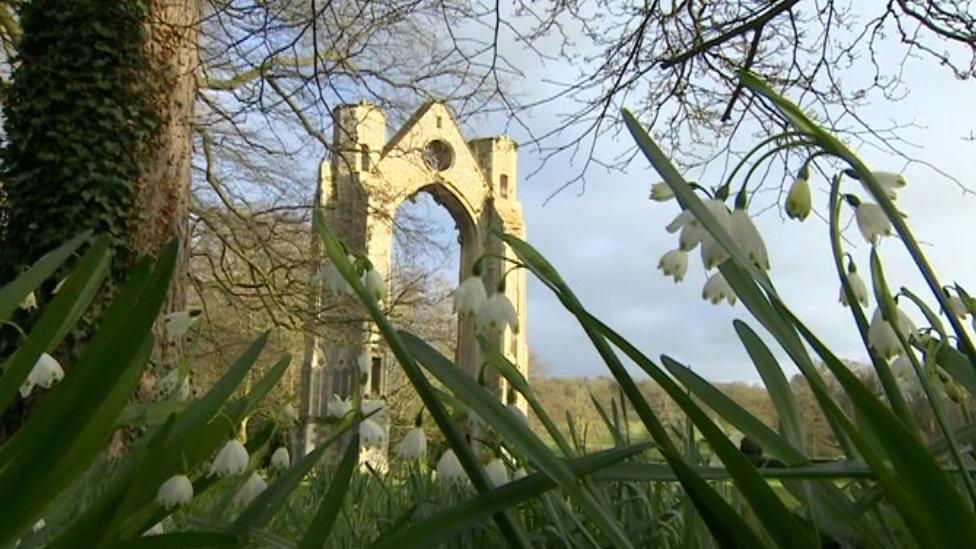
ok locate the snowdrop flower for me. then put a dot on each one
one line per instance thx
(691, 235)
(470, 296)
(691, 230)
(177, 490)
(362, 361)
(449, 470)
(337, 407)
(745, 234)
(716, 289)
(251, 489)
(375, 286)
(957, 306)
(712, 253)
(29, 302)
(167, 385)
(906, 377)
(679, 222)
(46, 372)
(368, 407)
(180, 322)
(519, 474)
(857, 286)
(496, 312)
(280, 459)
(38, 526)
(674, 264)
(496, 472)
(872, 222)
(890, 182)
(414, 445)
(882, 336)
(371, 434)
(231, 459)
(289, 413)
(518, 413)
(661, 192)
(798, 201)
(57, 287)
(333, 279)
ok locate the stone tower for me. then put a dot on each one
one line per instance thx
(360, 189)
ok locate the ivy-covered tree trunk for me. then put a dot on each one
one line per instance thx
(78, 125)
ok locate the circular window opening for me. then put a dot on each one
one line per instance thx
(438, 155)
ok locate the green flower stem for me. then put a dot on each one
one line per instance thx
(888, 382)
(772, 139)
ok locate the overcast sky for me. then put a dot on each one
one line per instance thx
(607, 240)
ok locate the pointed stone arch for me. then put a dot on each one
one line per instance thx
(360, 189)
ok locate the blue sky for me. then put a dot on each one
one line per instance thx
(607, 240)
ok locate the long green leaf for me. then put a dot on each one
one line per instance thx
(58, 317)
(12, 294)
(318, 531)
(456, 519)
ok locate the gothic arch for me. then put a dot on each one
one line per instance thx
(360, 189)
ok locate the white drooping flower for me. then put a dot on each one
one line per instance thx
(661, 192)
(957, 306)
(29, 302)
(337, 407)
(333, 279)
(717, 288)
(882, 336)
(890, 182)
(362, 361)
(905, 376)
(674, 264)
(518, 413)
(858, 286)
(280, 459)
(289, 413)
(368, 407)
(798, 200)
(497, 472)
(470, 296)
(679, 222)
(46, 372)
(746, 235)
(691, 230)
(375, 285)
(57, 287)
(171, 383)
(414, 445)
(371, 435)
(231, 459)
(177, 490)
(711, 251)
(449, 470)
(251, 489)
(872, 222)
(180, 322)
(496, 312)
